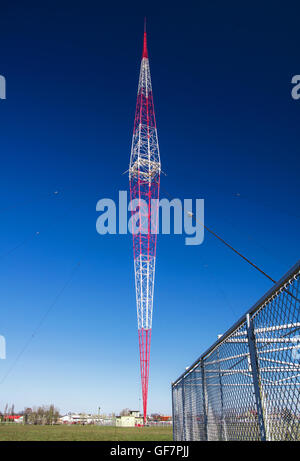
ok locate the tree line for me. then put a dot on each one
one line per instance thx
(44, 415)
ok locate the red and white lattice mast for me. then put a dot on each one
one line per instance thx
(144, 176)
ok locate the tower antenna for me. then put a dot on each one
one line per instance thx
(144, 178)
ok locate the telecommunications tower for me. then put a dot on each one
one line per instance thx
(144, 177)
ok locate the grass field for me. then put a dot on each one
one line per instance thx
(10, 432)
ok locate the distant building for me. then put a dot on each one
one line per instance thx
(133, 419)
(81, 418)
(76, 418)
(66, 419)
(159, 420)
(14, 418)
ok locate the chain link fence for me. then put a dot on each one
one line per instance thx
(246, 386)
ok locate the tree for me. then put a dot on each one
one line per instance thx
(42, 415)
(125, 412)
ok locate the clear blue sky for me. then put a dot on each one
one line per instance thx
(227, 124)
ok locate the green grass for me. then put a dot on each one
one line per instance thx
(20, 432)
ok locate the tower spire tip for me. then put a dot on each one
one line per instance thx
(145, 50)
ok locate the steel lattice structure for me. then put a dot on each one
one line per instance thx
(246, 385)
(144, 178)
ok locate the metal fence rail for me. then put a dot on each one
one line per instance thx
(246, 386)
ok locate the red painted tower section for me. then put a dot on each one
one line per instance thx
(144, 177)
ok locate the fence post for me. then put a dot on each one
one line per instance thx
(204, 401)
(173, 411)
(255, 375)
(223, 422)
(183, 410)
